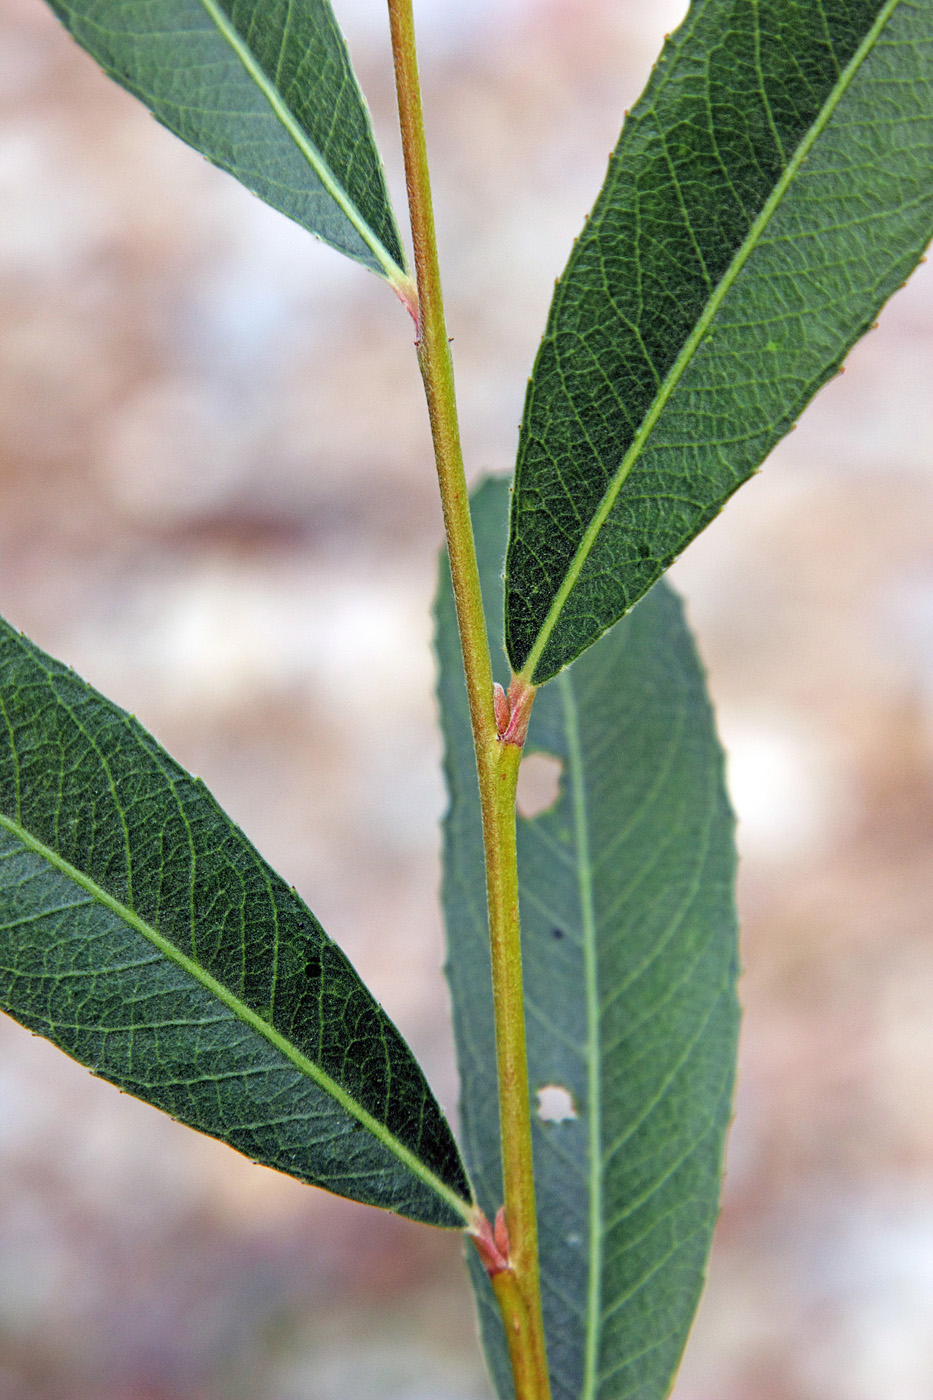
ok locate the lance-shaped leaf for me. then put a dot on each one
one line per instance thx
(143, 934)
(265, 90)
(630, 962)
(772, 187)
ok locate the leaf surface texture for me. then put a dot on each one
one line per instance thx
(630, 963)
(265, 90)
(770, 190)
(143, 934)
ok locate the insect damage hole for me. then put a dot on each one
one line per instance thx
(538, 784)
(555, 1104)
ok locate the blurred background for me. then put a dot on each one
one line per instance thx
(217, 503)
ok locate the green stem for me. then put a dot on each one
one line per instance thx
(499, 775)
(437, 372)
(517, 1287)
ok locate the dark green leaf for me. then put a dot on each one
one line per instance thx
(771, 189)
(265, 90)
(142, 933)
(629, 949)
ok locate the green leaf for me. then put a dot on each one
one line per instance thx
(630, 962)
(265, 90)
(142, 933)
(769, 192)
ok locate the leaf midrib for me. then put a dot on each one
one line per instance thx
(591, 982)
(395, 274)
(244, 1013)
(677, 370)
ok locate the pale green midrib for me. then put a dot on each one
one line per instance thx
(594, 1099)
(393, 272)
(245, 1014)
(675, 373)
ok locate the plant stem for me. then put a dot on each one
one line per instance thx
(524, 1330)
(437, 373)
(517, 1286)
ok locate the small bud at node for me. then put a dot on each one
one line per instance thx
(502, 708)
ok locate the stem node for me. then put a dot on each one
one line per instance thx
(516, 710)
(492, 1242)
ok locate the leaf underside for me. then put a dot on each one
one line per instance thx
(630, 961)
(770, 190)
(265, 90)
(143, 934)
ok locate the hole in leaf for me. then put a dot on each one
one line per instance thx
(555, 1104)
(538, 784)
